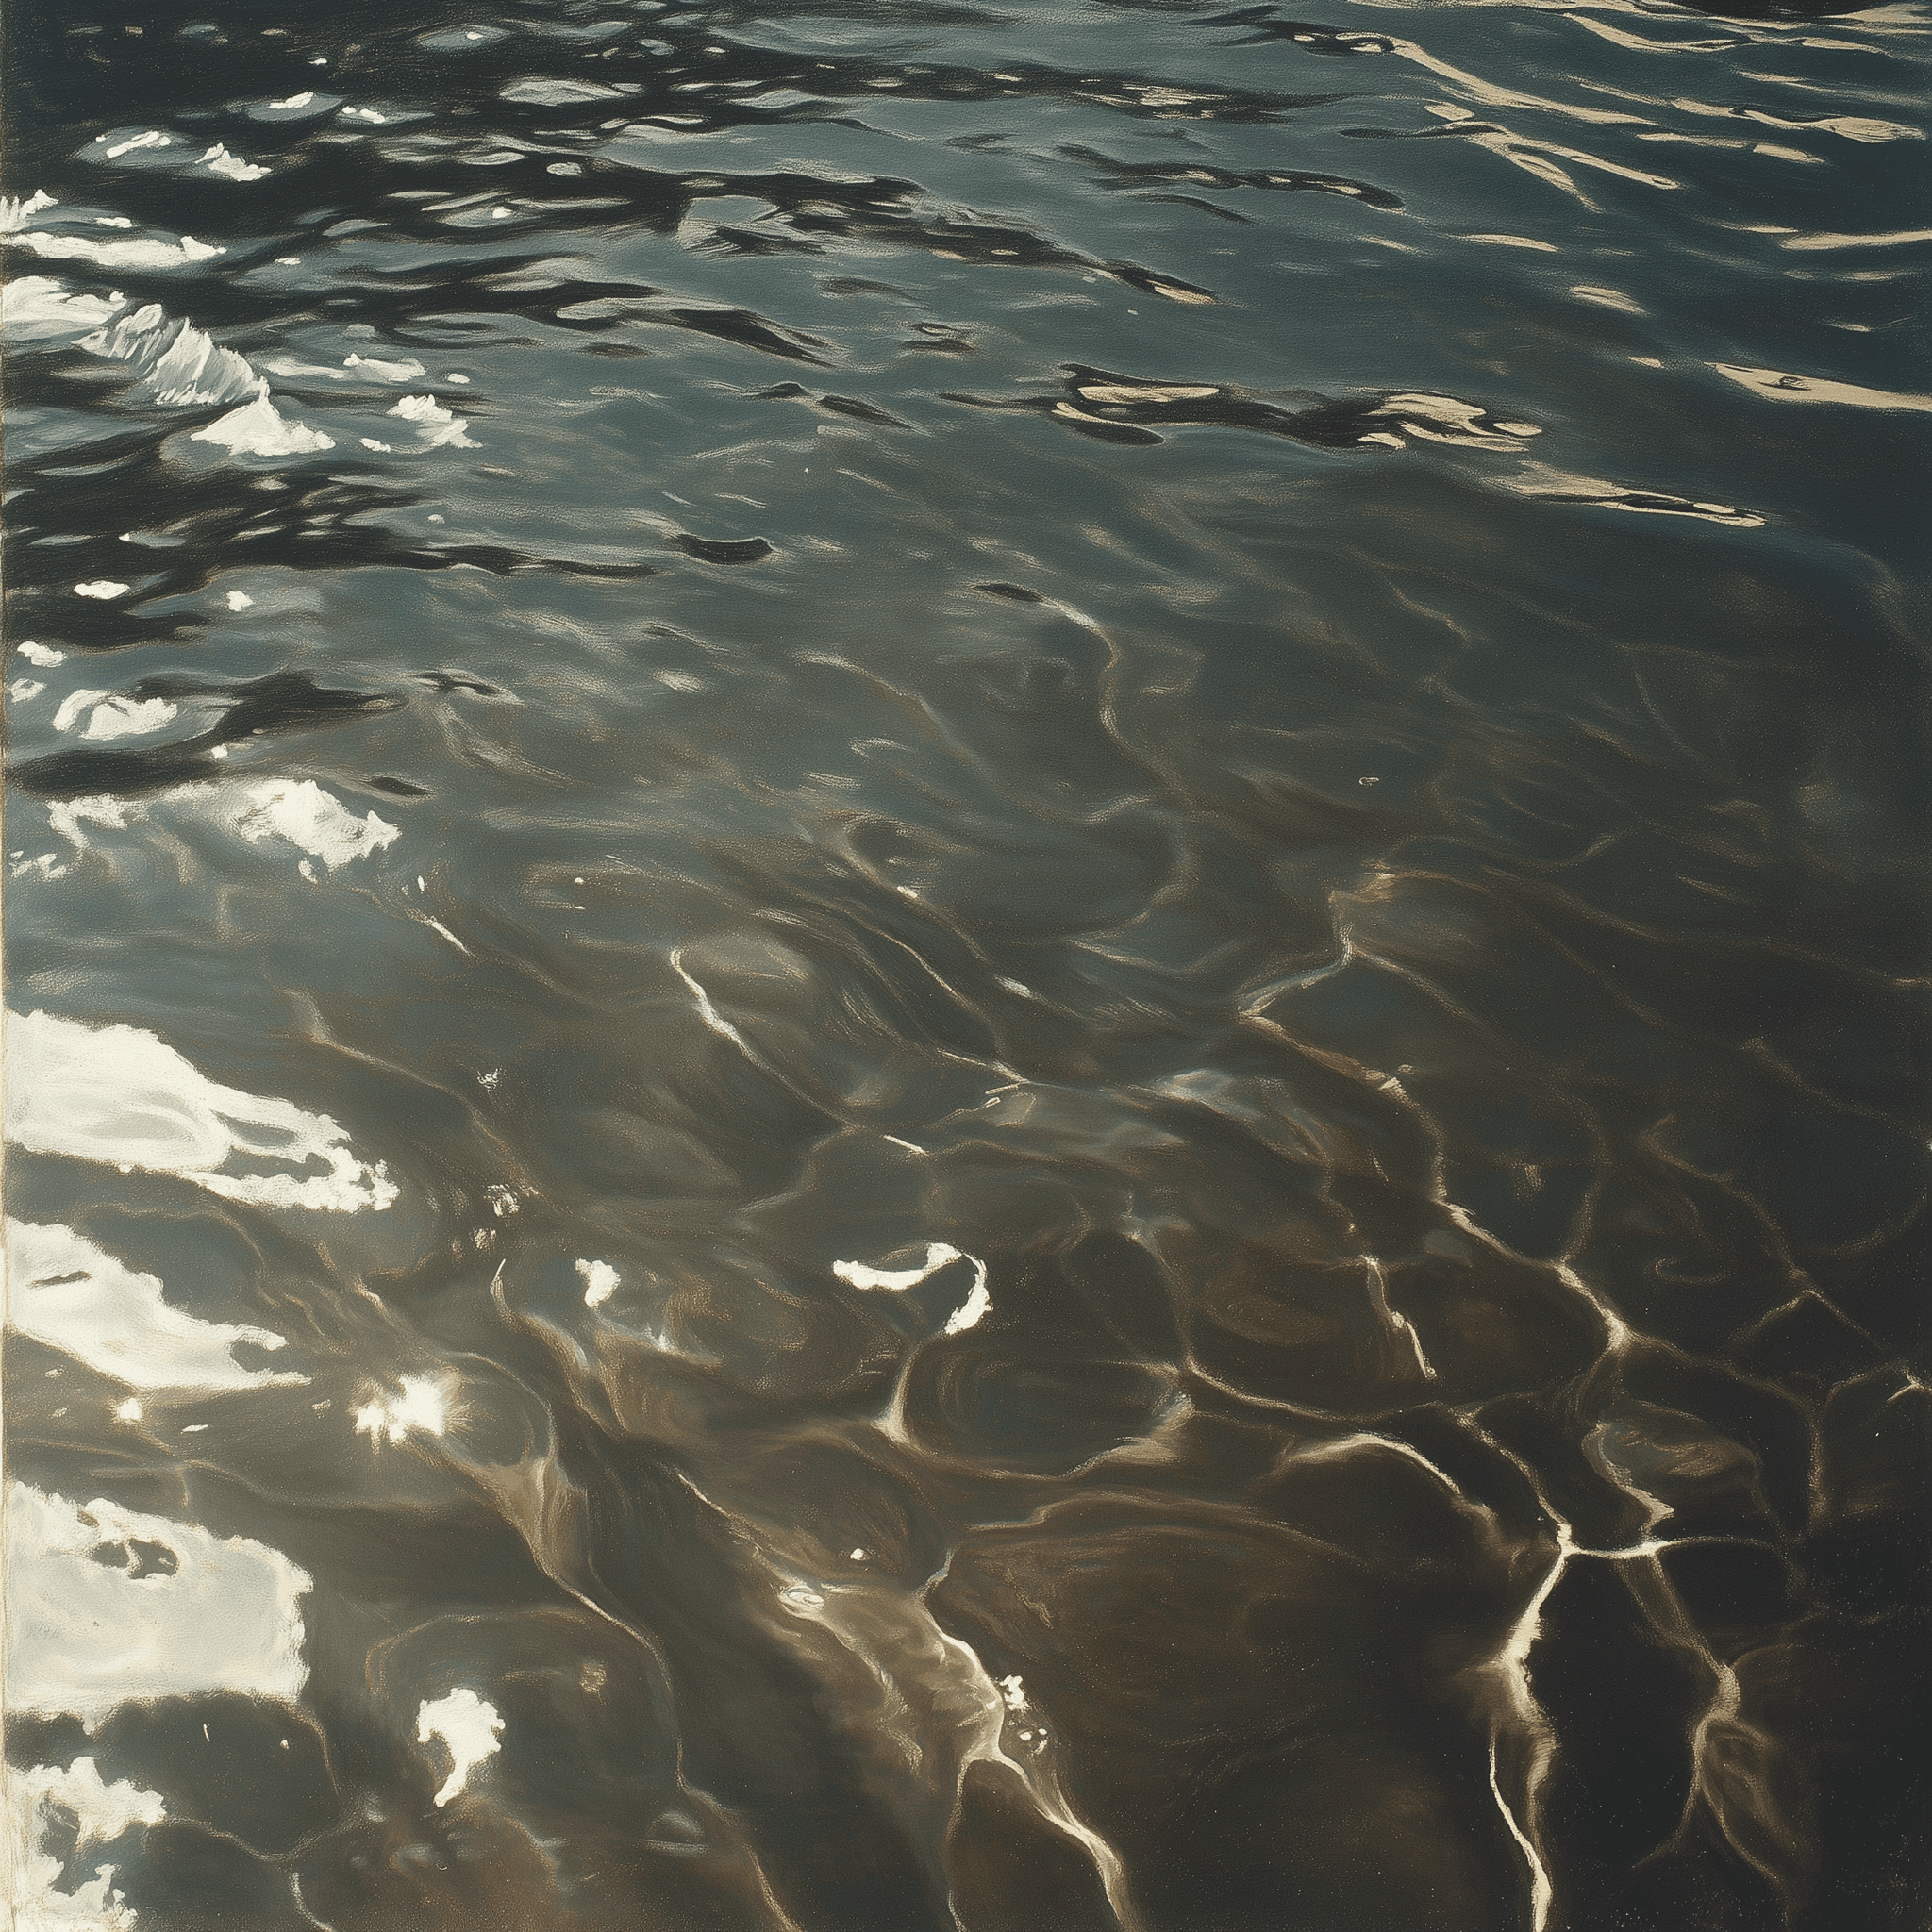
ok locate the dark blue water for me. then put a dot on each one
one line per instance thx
(969, 968)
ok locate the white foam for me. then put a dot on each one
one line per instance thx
(121, 1095)
(36, 307)
(67, 817)
(421, 1402)
(138, 254)
(468, 1725)
(84, 1637)
(76, 1297)
(258, 429)
(105, 588)
(104, 1811)
(311, 819)
(434, 424)
(600, 1281)
(40, 653)
(218, 160)
(370, 370)
(239, 600)
(23, 690)
(294, 101)
(16, 214)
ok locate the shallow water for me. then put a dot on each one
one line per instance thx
(979, 965)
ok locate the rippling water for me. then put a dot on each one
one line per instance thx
(968, 967)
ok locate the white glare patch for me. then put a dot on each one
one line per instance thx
(600, 1281)
(86, 1636)
(311, 819)
(1014, 1692)
(239, 600)
(468, 1725)
(23, 691)
(105, 589)
(41, 655)
(128, 1410)
(123, 1095)
(422, 1403)
(75, 1297)
(104, 1811)
(294, 101)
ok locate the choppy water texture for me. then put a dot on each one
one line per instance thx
(968, 967)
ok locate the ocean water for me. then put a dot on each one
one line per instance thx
(967, 967)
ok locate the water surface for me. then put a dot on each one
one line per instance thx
(969, 966)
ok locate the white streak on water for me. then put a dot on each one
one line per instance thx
(895, 1281)
(1775, 385)
(707, 1011)
(121, 1095)
(140, 254)
(66, 1291)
